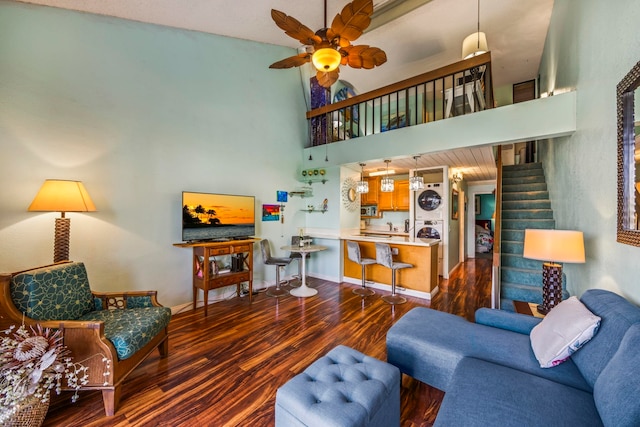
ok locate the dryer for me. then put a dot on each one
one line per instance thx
(430, 203)
(431, 229)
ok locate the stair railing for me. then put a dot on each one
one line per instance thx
(460, 88)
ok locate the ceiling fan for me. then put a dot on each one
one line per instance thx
(330, 47)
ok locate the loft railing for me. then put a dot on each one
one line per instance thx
(461, 88)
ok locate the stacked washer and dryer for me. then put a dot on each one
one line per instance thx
(430, 210)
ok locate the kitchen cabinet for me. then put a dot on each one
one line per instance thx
(396, 200)
(371, 198)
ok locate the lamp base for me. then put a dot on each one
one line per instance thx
(551, 286)
(61, 242)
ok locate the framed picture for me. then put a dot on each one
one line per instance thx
(478, 203)
(454, 204)
(282, 196)
(270, 212)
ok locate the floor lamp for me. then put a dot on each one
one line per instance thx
(62, 196)
(553, 247)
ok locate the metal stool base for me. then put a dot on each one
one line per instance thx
(365, 292)
(277, 292)
(394, 299)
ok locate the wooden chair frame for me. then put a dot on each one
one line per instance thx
(87, 342)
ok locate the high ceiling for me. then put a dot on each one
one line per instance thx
(429, 36)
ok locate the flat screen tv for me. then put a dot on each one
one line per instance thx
(217, 217)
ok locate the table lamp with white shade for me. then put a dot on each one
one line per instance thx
(553, 247)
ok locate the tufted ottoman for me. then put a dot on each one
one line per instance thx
(345, 388)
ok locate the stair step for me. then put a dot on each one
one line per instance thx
(519, 188)
(527, 214)
(519, 292)
(517, 261)
(525, 195)
(529, 179)
(526, 204)
(519, 224)
(525, 276)
(522, 172)
(512, 235)
(512, 247)
(524, 166)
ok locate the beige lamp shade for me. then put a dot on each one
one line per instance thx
(62, 196)
(474, 44)
(554, 245)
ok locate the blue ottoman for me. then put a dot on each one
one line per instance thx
(345, 388)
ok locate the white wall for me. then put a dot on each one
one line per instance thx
(590, 46)
(138, 113)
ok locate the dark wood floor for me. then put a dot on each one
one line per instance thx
(224, 370)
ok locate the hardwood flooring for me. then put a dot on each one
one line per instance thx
(224, 370)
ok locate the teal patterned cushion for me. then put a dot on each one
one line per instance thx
(131, 329)
(139, 302)
(59, 292)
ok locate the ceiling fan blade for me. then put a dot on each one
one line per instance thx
(363, 56)
(353, 20)
(292, 61)
(327, 79)
(294, 28)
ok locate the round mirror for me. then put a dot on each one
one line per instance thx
(352, 195)
(350, 198)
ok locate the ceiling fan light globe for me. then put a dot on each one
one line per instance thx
(326, 59)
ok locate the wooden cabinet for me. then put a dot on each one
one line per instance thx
(371, 198)
(397, 200)
(205, 273)
(402, 195)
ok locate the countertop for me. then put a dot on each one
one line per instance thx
(390, 238)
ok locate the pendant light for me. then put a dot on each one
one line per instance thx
(416, 182)
(362, 186)
(476, 43)
(386, 183)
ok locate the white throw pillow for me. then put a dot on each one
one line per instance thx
(566, 328)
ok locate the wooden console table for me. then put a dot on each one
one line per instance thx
(206, 278)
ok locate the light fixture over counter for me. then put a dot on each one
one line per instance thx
(386, 183)
(416, 182)
(362, 186)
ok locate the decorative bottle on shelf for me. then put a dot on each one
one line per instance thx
(301, 241)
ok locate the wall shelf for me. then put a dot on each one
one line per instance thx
(314, 210)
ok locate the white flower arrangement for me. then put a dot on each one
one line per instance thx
(33, 362)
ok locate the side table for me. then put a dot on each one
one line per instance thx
(530, 308)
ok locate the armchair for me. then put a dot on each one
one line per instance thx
(122, 327)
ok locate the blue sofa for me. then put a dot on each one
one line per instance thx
(491, 377)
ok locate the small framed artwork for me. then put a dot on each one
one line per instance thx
(270, 212)
(478, 203)
(454, 204)
(282, 196)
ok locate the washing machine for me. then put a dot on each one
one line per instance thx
(431, 229)
(430, 203)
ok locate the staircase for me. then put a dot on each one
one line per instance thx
(525, 204)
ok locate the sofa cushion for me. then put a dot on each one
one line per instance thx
(618, 386)
(58, 292)
(484, 394)
(617, 315)
(566, 328)
(131, 329)
(428, 345)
